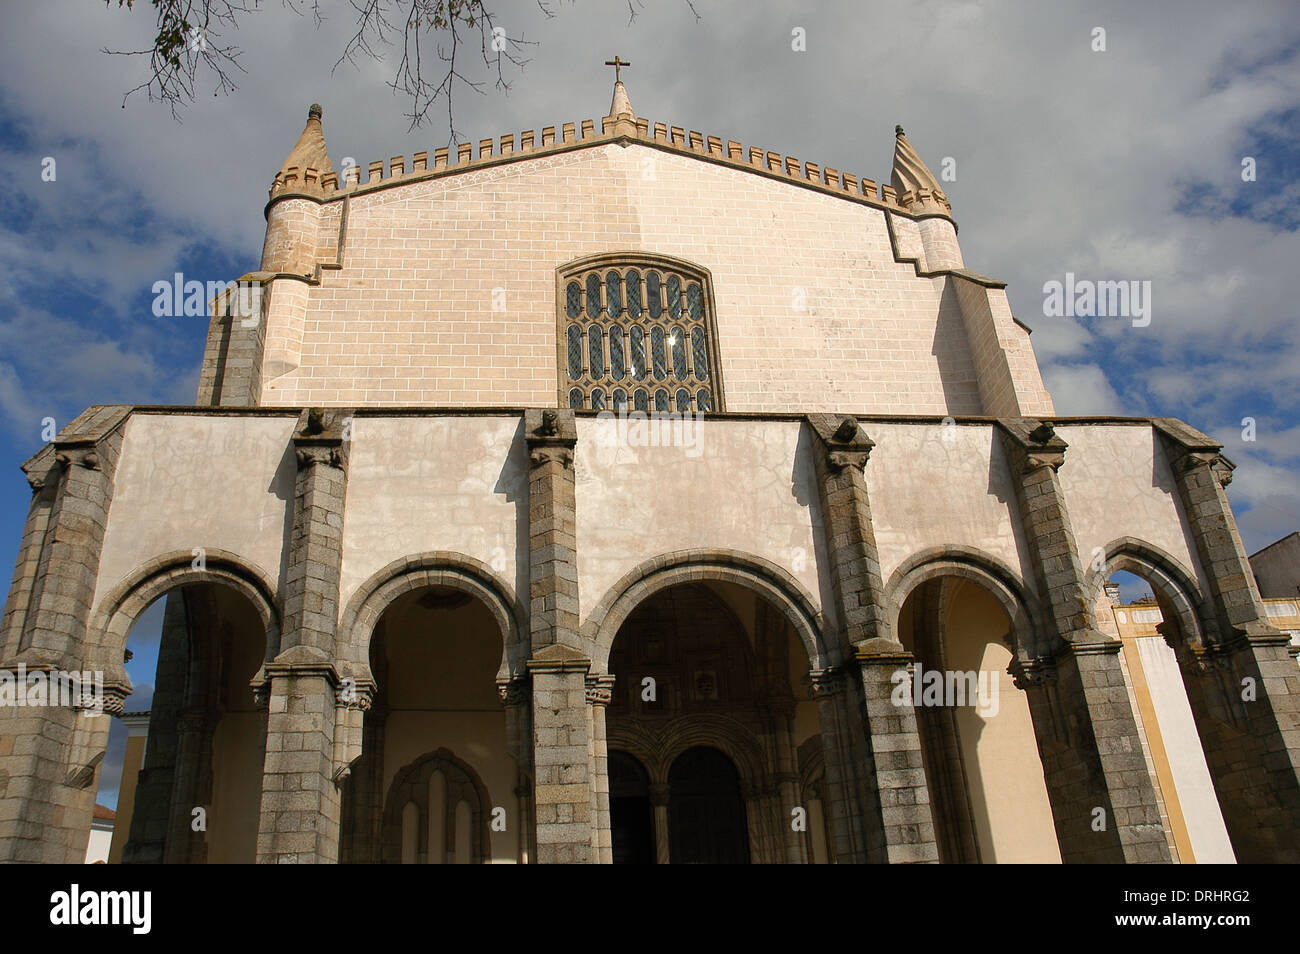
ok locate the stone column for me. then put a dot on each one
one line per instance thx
(1243, 686)
(786, 778)
(600, 690)
(50, 754)
(660, 793)
(839, 720)
(907, 833)
(563, 790)
(516, 696)
(564, 758)
(891, 798)
(1102, 800)
(300, 796)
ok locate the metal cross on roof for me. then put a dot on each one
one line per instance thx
(618, 65)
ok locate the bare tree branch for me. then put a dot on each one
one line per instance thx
(188, 41)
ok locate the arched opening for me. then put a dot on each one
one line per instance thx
(714, 669)
(1151, 616)
(978, 744)
(630, 813)
(191, 785)
(706, 812)
(435, 783)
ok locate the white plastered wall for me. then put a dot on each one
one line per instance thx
(937, 485)
(196, 481)
(447, 483)
(742, 485)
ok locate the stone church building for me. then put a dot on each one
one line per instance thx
(620, 494)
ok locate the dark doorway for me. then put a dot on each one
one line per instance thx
(706, 814)
(631, 818)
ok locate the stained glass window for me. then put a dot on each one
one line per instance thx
(607, 315)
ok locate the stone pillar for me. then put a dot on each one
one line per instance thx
(890, 796)
(1243, 686)
(307, 717)
(600, 690)
(1102, 800)
(839, 721)
(150, 823)
(907, 833)
(50, 754)
(516, 696)
(660, 793)
(561, 757)
(43, 477)
(795, 843)
(564, 754)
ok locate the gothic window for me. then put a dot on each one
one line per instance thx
(637, 332)
(436, 813)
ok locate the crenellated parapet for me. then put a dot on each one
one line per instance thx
(320, 182)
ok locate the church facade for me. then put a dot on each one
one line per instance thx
(629, 495)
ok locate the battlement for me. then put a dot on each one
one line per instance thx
(329, 186)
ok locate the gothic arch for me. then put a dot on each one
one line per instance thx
(1175, 587)
(433, 568)
(760, 576)
(657, 750)
(111, 623)
(411, 784)
(971, 564)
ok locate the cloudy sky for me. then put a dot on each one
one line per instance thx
(1122, 163)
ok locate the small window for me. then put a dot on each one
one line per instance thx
(574, 334)
(614, 294)
(634, 294)
(616, 368)
(595, 353)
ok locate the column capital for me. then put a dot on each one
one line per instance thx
(513, 690)
(1032, 444)
(1032, 673)
(322, 437)
(823, 683)
(600, 690)
(844, 443)
(551, 435)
